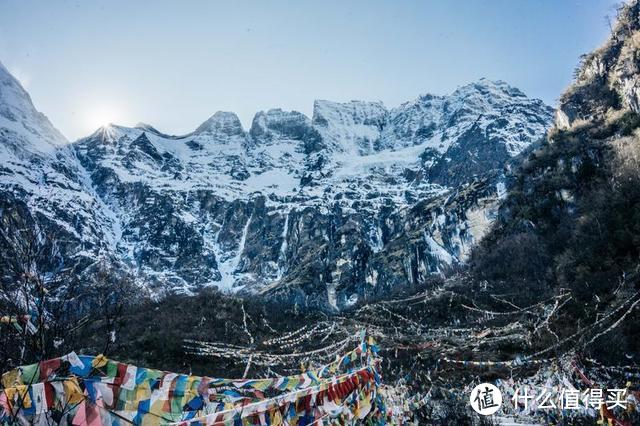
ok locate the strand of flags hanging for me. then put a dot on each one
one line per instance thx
(19, 322)
(521, 361)
(94, 390)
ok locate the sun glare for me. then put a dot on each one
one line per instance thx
(102, 115)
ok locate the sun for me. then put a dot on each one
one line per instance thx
(101, 115)
(98, 109)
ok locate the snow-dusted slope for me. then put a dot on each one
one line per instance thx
(45, 194)
(503, 113)
(326, 210)
(19, 117)
(352, 128)
(342, 143)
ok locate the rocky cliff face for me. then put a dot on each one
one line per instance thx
(570, 222)
(608, 78)
(327, 211)
(574, 199)
(49, 214)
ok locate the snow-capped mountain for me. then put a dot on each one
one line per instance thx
(45, 195)
(328, 210)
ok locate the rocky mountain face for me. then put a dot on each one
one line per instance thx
(570, 222)
(49, 213)
(573, 202)
(608, 79)
(327, 211)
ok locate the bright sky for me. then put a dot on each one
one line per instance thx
(172, 64)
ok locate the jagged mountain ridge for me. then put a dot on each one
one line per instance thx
(316, 210)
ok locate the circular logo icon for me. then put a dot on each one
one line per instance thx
(485, 399)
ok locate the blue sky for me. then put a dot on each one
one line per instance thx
(174, 63)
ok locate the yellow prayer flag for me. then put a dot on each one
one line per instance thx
(11, 378)
(99, 361)
(72, 391)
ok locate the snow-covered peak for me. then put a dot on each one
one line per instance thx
(19, 116)
(485, 85)
(352, 112)
(277, 124)
(486, 94)
(112, 133)
(222, 127)
(416, 122)
(353, 127)
(504, 113)
(147, 128)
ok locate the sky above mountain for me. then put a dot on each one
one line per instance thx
(173, 64)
